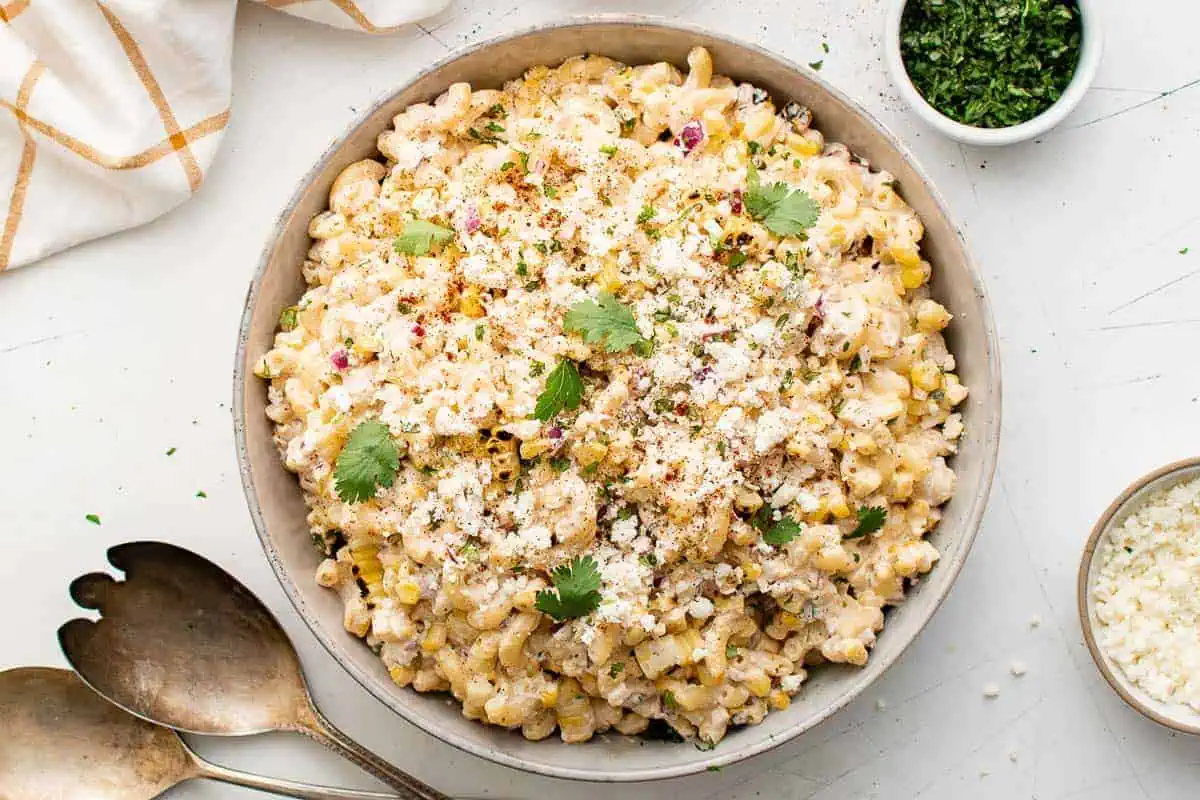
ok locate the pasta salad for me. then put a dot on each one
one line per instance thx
(618, 399)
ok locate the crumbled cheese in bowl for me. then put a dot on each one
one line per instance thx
(1147, 595)
(618, 396)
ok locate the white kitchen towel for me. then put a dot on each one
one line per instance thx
(111, 110)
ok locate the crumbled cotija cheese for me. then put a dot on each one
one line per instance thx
(1148, 595)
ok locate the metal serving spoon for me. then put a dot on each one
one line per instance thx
(63, 741)
(182, 643)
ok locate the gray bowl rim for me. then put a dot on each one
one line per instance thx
(1133, 494)
(989, 424)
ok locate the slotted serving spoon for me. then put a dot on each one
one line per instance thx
(181, 643)
(62, 741)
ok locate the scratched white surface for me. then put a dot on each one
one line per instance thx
(116, 351)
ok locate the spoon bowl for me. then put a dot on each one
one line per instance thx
(62, 741)
(181, 643)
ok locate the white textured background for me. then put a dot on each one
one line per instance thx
(116, 351)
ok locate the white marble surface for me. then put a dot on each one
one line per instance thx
(118, 350)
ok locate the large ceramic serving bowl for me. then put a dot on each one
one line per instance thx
(278, 509)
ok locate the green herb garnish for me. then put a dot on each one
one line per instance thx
(785, 212)
(775, 531)
(576, 591)
(419, 236)
(564, 389)
(604, 320)
(870, 519)
(369, 459)
(93, 518)
(990, 63)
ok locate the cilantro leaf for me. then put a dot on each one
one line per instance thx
(93, 518)
(782, 532)
(369, 459)
(605, 321)
(775, 531)
(576, 591)
(419, 236)
(564, 389)
(785, 211)
(870, 519)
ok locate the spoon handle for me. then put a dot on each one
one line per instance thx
(304, 791)
(317, 727)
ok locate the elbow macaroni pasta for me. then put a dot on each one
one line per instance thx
(803, 376)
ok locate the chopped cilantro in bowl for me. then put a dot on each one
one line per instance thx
(993, 72)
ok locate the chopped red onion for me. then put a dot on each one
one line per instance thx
(472, 219)
(555, 432)
(340, 360)
(690, 136)
(818, 316)
(735, 201)
(418, 330)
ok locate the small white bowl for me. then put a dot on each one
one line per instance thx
(1176, 716)
(1085, 72)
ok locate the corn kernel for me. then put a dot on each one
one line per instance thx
(408, 592)
(779, 700)
(470, 302)
(752, 571)
(905, 256)
(590, 453)
(925, 375)
(931, 316)
(856, 653)
(819, 513)
(839, 508)
(807, 147)
(609, 278)
(912, 277)
(534, 448)
(549, 696)
(402, 675)
(435, 638)
(759, 685)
